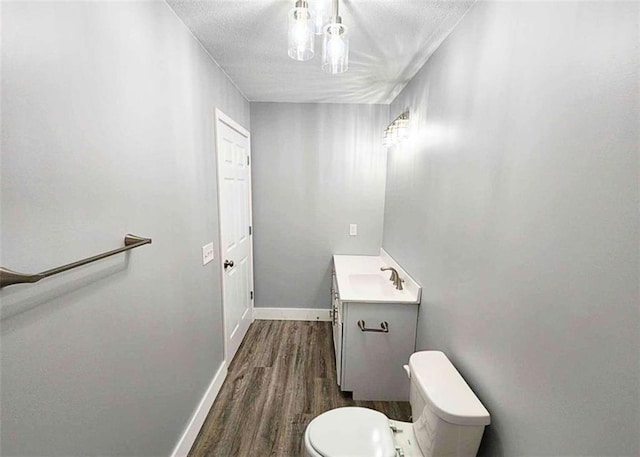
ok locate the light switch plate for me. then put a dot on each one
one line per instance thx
(207, 253)
(353, 229)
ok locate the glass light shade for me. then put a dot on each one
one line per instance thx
(301, 34)
(402, 129)
(385, 138)
(335, 49)
(321, 14)
(393, 134)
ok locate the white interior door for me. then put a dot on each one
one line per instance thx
(236, 253)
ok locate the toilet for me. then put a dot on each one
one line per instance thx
(448, 419)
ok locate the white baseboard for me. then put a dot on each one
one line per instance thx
(291, 314)
(195, 424)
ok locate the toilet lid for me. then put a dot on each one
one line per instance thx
(352, 432)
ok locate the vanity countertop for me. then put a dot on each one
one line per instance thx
(359, 279)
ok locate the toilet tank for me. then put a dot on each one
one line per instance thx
(448, 418)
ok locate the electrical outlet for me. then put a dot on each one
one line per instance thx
(207, 253)
(353, 229)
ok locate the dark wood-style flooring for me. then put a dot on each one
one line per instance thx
(282, 376)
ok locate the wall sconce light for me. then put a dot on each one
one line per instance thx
(397, 131)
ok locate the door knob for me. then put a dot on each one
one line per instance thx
(228, 263)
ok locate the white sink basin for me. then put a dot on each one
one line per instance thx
(372, 284)
(359, 279)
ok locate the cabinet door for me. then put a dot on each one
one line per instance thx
(337, 338)
(373, 360)
(337, 327)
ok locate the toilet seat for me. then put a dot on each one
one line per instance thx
(351, 432)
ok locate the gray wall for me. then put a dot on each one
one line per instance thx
(516, 207)
(107, 128)
(316, 169)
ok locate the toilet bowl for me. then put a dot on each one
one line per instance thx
(449, 420)
(358, 432)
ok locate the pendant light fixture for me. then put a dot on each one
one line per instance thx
(321, 12)
(301, 32)
(335, 45)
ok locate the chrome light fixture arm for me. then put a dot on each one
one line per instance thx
(336, 16)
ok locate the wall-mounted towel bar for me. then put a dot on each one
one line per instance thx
(8, 277)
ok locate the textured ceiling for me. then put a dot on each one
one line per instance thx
(389, 40)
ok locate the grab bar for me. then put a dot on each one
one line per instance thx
(9, 277)
(384, 327)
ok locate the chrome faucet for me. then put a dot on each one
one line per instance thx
(397, 280)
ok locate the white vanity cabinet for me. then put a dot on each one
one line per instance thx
(374, 327)
(372, 361)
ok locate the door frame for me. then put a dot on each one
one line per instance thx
(222, 117)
